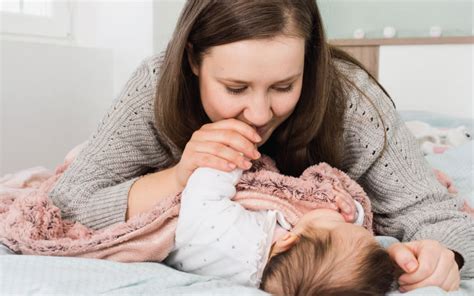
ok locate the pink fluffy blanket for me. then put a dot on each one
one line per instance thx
(31, 224)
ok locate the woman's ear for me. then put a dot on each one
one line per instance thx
(192, 62)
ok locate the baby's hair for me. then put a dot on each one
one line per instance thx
(315, 266)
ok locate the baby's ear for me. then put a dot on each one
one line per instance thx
(283, 244)
(286, 242)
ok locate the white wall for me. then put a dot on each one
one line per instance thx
(436, 78)
(165, 16)
(55, 91)
(125, 27)
(51, 99)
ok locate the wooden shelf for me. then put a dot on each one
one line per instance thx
(403, 41)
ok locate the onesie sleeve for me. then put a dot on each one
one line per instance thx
(217, 236)
(360, 214)
(207, 194)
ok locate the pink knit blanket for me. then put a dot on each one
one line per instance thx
(31, 224)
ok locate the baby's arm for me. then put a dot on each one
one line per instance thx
(208, 185)
(207, 194)
(216, 236)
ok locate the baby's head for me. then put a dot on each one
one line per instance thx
(324, 255)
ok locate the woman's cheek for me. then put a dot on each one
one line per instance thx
(220, 106)
(285, 105)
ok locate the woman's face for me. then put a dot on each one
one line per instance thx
(255, 81)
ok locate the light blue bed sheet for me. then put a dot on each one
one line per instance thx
(39, 275)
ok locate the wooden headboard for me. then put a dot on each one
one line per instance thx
(367, 50)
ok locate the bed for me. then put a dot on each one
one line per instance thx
(40, 275)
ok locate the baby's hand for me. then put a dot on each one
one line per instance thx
(346, 205)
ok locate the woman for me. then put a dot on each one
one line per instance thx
(243, 76)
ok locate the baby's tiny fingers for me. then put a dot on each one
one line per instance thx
(350, 218)
(343, 198)
(343, 204)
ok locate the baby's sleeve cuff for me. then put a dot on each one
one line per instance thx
(360, 213)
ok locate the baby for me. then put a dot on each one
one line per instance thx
(320, 255)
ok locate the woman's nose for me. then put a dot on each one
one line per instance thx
(259, 111)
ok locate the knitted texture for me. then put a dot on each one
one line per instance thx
(407, 200)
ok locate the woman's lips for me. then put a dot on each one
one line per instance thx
(261, 131)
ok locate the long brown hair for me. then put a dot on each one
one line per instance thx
(313, 132)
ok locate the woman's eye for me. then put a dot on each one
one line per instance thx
(236, 91)
(284, 89)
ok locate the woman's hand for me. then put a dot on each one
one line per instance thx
(345, 204)
(426, 263)
(222, 145)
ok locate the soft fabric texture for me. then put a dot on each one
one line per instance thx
(25, 275)
(41, 275)
(31, 224)
(46, 275)
(408, 202)
(216, 236)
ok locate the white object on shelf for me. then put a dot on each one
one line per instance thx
(389, 32)
(359, 33)
(436, 31)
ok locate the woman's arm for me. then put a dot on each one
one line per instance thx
(407, 200)
(94, 189)
(149, 189)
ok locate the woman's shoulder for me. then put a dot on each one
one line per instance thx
(153, 63)
(362, 91)
(349, 69)
(137, 96)
(369, 113)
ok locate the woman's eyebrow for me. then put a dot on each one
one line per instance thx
(248, 82)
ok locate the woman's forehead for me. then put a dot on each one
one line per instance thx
(263, 59)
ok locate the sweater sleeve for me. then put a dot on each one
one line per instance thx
(94, 189)
(407, 200)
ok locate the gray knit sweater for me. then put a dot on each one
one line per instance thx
(408, 202)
